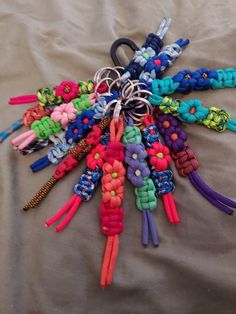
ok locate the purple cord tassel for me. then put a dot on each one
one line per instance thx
(208, 194)
(220, 197)
(148, 225)
(145, 228)
(152, 228)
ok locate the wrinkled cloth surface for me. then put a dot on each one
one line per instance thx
(193, 270)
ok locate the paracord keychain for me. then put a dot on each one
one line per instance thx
(47, 186)
(169, 53)
(186, 162)
(47, 99)
(134, 101)
(111, 212)
(192, 111)
(84, 189)
(127, 95)
(91, 111)
(159, 161)
(71, 161)
(139, 175)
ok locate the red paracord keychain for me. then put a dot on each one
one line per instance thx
(70, 162)
(111, 212)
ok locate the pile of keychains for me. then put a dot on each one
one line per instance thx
(126, 125)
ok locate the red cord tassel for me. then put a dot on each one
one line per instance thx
(170, 208)
(19, 100)
(109, 260)
(70, 209)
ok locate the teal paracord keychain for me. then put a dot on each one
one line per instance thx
(192, 111)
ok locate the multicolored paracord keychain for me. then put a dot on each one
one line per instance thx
(116, 120)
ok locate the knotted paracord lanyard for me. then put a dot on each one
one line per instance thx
(186, 161)
(159, 160)
(47, 99)
(85, 188)
(192, 111)
(111, 212)
(139, 175)
(71, 161)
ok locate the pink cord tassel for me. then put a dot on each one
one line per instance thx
(19, 100)
(71, 207)
(24, 139)
(170, 208)
(61, 212)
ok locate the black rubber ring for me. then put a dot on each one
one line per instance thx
(116, 44)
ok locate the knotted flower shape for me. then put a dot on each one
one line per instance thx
(203, 78)
(96, 157)
(114, 173)
(166, 122)
(192, 111)
(81, 126)
(175, 139)
(134, 152)
(186, 81)
(136, 172)
(68, 90)
(141, 56)
(64, 113)
(154, 67)
(113, 194)
(159, 156)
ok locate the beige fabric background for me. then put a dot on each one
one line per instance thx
(193, 270)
